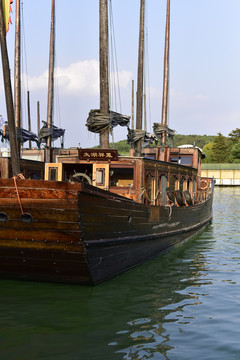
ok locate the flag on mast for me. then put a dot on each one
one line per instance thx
(6, 13)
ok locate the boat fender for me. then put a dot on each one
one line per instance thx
(204, 184)
(170, 195)
(179, 198)
(188, 198)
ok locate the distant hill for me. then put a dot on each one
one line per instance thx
(199, 140)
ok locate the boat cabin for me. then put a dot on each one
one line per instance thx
(30, 169)
(145, 179)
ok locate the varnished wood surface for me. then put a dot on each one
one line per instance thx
(83, 234)
(50, 248)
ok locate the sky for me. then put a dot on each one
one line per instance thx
(204, 64)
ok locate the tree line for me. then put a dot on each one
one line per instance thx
(223, 149)
(217, 149)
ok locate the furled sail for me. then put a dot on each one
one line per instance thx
(22, 134)
(135, 135)
(98, 122)
(54, 132)
(160, 129)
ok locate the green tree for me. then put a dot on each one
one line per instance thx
(233, 139)
(207, 151)
(219, 149)
(235, 153)
(234, 136)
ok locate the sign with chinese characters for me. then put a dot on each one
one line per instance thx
(98, 154)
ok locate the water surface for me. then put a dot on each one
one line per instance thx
(184, 305)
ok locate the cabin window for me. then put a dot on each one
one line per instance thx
(100, 177)
(53, 173)
(84, 172)
(151, 156)
(174, 159)
(121, 176)
(186, 160)
(34, 174)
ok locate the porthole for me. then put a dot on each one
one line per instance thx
(26, 218)
(3, 217)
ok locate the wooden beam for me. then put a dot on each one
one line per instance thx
(103, 55)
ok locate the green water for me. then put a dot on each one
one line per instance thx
(183, 306)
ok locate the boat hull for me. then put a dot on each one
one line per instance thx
(81, 234)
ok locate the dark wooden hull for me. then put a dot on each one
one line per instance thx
(81, 234)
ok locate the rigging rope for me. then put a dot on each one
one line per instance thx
(114, 73)
(19, 176)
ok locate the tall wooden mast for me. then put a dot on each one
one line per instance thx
(139, 114)
(166, 73)
(17, 67)
(51, 76)
(29, 117)
(103, 56)
(38, 117)
(8, 95)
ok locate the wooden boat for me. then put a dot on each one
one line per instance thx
(123, 211)
(76, 232)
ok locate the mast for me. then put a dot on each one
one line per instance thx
(38, 116)
(166, 73)
(145, 112)
(29, 117)
(8, 96)
(17, 69)
(140, 76)
(132, 123)
(51, 77)
(103, 56)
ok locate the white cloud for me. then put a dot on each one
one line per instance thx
(80, 79)
(189, 102)
(125, 77)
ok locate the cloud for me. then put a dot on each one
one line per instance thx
(79, 79)
(188, 102)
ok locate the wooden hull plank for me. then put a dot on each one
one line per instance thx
(81, 234)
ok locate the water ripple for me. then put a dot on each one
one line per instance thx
(184, 305)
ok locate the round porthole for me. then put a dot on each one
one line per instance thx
(27, 218)
(3, 217)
